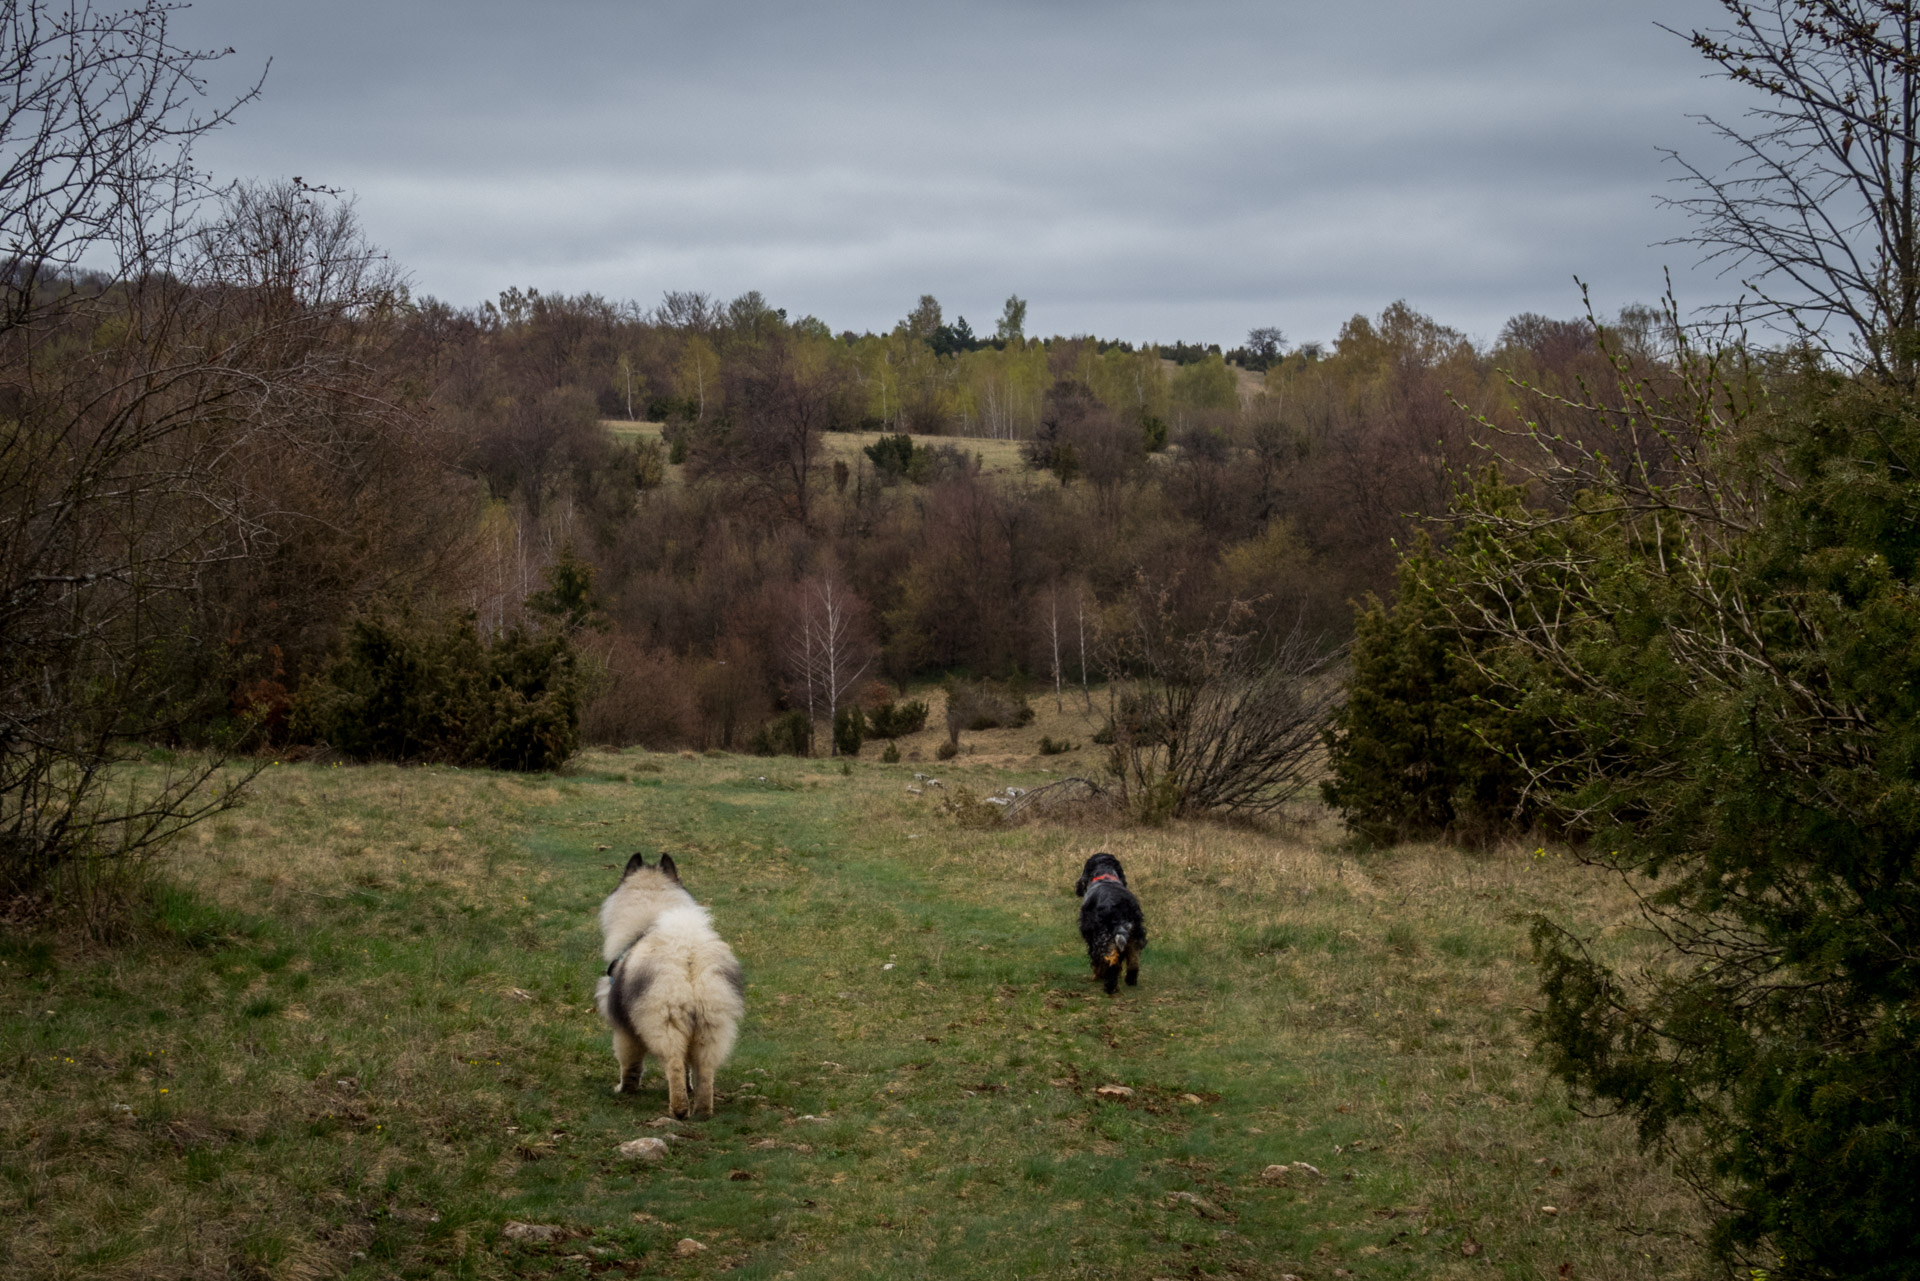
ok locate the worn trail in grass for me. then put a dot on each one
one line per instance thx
(363, 1044)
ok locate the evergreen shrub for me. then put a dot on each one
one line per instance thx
(896, 720)
(788, 734)
(426, 686)
(1425, 745)
(849, 730)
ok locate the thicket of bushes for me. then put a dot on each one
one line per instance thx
(419, 686)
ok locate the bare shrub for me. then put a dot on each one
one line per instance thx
(976, 705)
(647, 701)
(1221, 720)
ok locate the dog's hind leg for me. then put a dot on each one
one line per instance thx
(1133, 963)
(699, 1088)
(704, 1065)
(674, 1059)
(631, 1055)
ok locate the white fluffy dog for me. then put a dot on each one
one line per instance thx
(672, 988)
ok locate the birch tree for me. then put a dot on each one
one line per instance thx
(830, 649)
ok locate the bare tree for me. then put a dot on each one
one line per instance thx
(99, 114)
(153, 364)
(829, 651)
(1080, 620)
(783, 397)
(688, 310)
(1053, 641)
(1820, 210)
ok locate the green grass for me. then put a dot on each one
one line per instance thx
(358, 1041)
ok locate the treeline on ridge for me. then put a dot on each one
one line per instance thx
(1288, 488)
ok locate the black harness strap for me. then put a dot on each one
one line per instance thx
(623, 953)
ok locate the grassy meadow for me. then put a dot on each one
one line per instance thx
(359, 1042)
(998, 457)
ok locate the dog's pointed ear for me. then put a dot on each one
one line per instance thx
(666, 865)
(634, 864)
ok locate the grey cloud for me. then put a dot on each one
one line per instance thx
(1142, 171)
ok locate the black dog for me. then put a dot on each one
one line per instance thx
(1110, 921)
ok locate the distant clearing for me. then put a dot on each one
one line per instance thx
(998, 457)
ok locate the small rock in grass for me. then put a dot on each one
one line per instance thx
(1191, 1098)
(1301, 1167)
(533, 1232)
(1114, 1092)
(1274, 1176)
(1200, 1205)
(687, 1246)
(644, 1149)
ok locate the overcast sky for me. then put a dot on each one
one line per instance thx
(1140, 171)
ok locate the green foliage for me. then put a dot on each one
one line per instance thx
(1423, 745)
(1049, 451)
(849, 730)
(649, 464)
(1207, 384)
(413, 686)
(1052, 747)
(1154, 428)
(947, 750)
(891, 455)
(896, 720)
(892, 755)
(1012, 327)
(1729, 658)
(788, 734)
(568, 598)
